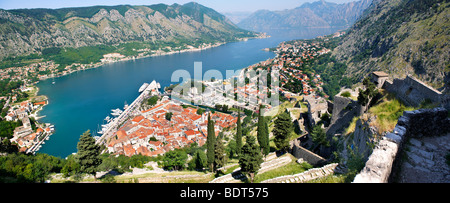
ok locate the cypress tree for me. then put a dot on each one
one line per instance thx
(210, 142)
(250, 159)
(262, 133)
(238, 134)
(266, 148)
(282, 130)
(88, 154)
(220, 158)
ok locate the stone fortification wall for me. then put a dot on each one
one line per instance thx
(412, 91)
(344, 109)
(385, 157)
(310, 157)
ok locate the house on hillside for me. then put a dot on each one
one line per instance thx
(378, 78)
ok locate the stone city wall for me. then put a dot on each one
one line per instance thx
(344, 109)
(310, 157)
(385, 156)
(412, 91)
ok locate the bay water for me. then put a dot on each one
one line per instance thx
(81, 101)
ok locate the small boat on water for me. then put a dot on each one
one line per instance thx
(100, 130)
(116, 112)
(143, 87)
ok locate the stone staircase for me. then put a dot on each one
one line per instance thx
(308, 175)
(272, 162)
(426, 162)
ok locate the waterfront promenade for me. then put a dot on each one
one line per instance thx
(110, 131)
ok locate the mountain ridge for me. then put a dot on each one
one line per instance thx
(315, 14)
(28, 31)
(400, 37)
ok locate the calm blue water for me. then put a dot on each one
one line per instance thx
(81, 101)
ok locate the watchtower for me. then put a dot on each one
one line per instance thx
(378, 78)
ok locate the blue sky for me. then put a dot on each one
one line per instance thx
(218, 5)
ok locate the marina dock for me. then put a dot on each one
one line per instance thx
(129, 111)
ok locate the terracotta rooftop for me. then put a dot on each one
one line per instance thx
(137, 119)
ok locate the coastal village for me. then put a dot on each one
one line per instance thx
(150, 133)
(285, 70)
(164, 127)
(41, 69)
(172, 124)
(24, 103)
(367, 104)
(31, 134)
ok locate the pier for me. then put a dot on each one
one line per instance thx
(110, 131)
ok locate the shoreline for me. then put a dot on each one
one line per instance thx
(98, 64)
(157, 53)
(37, 146)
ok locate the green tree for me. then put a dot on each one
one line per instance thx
(169, 116)
(71, 167)
(152, 100)
(262, 133)
(346, 94)
(251, 158)
(282, 130)
(28, 172)
(200, 159)
(174, 160)
(238, 137)
(267, 145)
(210, 143)
(365, 96)
(220, 157)
(88, 154)
(319, 137)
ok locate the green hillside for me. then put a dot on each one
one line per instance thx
(400, 37)
(31, 31)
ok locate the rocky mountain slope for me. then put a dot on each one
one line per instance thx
(317, 14)
(27, 31)
(400, 37)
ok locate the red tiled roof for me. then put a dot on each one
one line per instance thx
(144, 151)
(156, 143)
(121, 134)
(137, 119)
(189, 132)
(40, 103)
(128, 149)
(158, 152)
(146, 123)
(153, 108)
